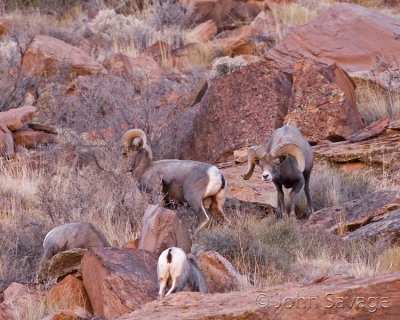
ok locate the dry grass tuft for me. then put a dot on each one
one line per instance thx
(272, 251)
(375, 102)
(389, 260)
(330, 186)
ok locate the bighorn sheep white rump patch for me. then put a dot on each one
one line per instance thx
(72, 235)
(175, 269)
(287, 160)
(201, 185)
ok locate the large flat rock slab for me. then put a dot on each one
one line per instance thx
(352, 215)
(382, 150)
(384, 228)
(335, 299)
(360, 40)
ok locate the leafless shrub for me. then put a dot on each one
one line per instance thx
(13, 83)
(131, 35)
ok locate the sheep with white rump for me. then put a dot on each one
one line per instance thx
(175, 270)
(201, 185)
(287, 160)
(72, 235)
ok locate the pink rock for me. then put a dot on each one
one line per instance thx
(119, 280)
(47, 56)
(161, 229)
(29, 138)
(360, 40)
(203, 32)
(323, 104)
(16, 118)
(131, 68)
(220, 274)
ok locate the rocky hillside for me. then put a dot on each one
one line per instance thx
(205, 80)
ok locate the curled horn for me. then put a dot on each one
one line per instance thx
(290, 149)
(255, 154)
(128, 137)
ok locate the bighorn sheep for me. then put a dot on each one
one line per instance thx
(72, 235)
(286, 161)
(200, 184)
(175, 269)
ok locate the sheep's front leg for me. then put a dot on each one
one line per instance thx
(295, 190)
(281, 199)
(307, 192)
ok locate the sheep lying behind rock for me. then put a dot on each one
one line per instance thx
(72, 235)
(175, 269)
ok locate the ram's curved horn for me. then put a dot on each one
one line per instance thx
(290, 149)
(128, 137)
(255, 154)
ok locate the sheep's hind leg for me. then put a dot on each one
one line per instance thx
(195, 201)
(201, 213)
(217, 205)
(177, 286)
(163, 285)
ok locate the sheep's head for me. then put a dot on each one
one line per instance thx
(134, 150)
(270, 162)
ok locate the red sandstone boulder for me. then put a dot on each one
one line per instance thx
(240, 109)
(360, 40)
(373, 130)
(203, 32)
(255, 38)
(381, 151)
(61, 265)
(68, 294)
(29, 138)
(119, 280)
(224, 13)
(323, 104)
(133, 68)
(219, 273)
(161, 229)
(18, 298)
(383, 229)
(352, 215)
(48, 56)
(16, 118)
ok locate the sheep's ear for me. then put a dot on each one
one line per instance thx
(192, 259)
(282, 158)
(137, 143)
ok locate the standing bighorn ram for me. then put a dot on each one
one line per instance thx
(200, 184)
(286, 161)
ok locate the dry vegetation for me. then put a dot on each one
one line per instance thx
(274, 251)
(77, 180)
